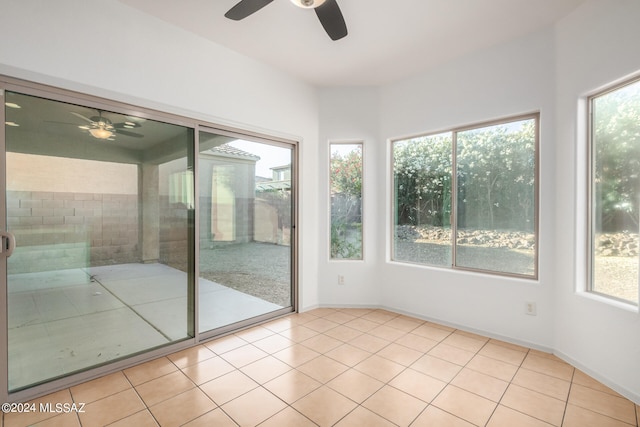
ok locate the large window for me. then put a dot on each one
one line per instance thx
(346, 201)
(615, 192)
(482, 217)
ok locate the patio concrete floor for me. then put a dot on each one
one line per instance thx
(68, 320)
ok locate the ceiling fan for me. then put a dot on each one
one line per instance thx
(102, 128)
(328, 13)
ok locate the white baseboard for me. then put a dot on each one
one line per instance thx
(632, 396)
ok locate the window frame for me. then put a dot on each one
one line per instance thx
(590, 230)
(535, 116)
(362, 199)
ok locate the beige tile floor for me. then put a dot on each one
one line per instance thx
(344, 367)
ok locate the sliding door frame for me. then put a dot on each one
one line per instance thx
(4, 319)
(278, 142)
(196, 125)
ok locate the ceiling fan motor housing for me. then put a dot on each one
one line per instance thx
(308, 4)
(102, 122)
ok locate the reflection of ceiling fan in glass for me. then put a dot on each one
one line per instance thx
(102, 128)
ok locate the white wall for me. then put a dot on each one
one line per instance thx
(111, 50)
(505, 80)
(596, 45)
(351, 114)
(149, 63)
(551, 71)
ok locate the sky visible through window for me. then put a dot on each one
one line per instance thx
(271, 156)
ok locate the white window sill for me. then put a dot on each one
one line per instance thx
(627, 306)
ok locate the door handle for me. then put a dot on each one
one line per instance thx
(8, 243)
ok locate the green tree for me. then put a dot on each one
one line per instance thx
(422, 177)
(616, 150)
(496, 176)
(346, 172)
(495, 172)
(346, 203)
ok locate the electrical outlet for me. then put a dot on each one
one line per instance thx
(530, 308)
(340, 280)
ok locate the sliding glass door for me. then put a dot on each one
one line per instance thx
(126, 231)
(100, 209)
(245, 229)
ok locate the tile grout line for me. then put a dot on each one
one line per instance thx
(510, 383)
(388, 343)
(146, 407)
(261, 385)
(358, 405)
(463, 366)
(505, 389)
(566, 403)
(428, 404)
(448, 384)
(407, 367)
(527, 353)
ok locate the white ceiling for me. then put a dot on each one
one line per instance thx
(388, 39)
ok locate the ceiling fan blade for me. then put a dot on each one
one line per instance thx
(331, 19)
(80, 116)
(60, 123)
(245, 8)
(127, 133)
(126, 125)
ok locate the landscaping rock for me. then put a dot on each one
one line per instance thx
(622, 244)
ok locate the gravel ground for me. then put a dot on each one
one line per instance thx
(263, 269)
(259, 269)
(484, 258)
(617, 276)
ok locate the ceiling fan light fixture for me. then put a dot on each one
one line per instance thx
(100, 133)
(308, 4)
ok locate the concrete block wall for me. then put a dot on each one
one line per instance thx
(57, 230)
(60, 230)
(243, 222)
(174, 237)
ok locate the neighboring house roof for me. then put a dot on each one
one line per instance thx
(283, 167)
(227, 150)
(273, 185)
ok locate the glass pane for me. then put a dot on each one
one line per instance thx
(100, 271)
(346, 201)
(422, 189)
(245, 229)
(616, 192)
(495, 170)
